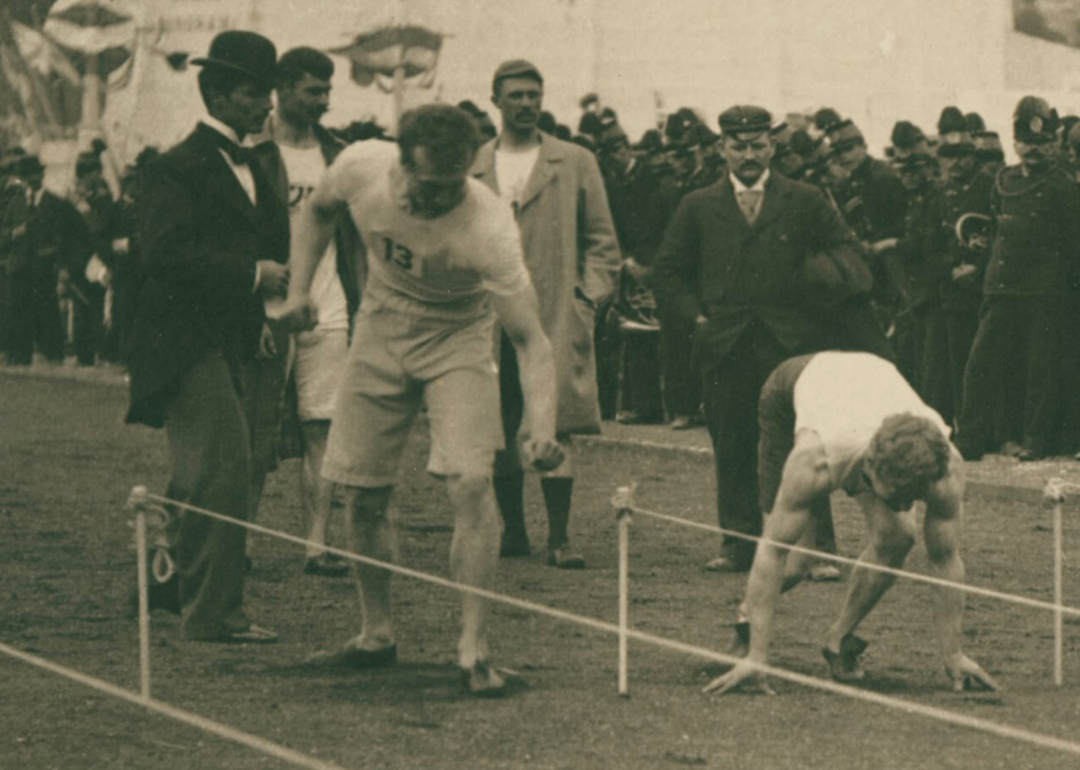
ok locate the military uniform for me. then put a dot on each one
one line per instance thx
(1013, 384)
(960, 295)
(921, 258)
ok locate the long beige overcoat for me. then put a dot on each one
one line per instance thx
(573, 258)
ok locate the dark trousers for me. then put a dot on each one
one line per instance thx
(210, 457)
(731, 393)
(32, 319)
(88, 323)
(1013, 384)
(639, 385)
(948, 334)
(682, 375)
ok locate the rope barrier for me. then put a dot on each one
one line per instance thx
(916, 576)
(180, 715)
(932, 712)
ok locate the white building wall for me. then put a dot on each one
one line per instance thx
(876, 61)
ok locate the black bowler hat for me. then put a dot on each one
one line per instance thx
(245, 52)
(744, 119)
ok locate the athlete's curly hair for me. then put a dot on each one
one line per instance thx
(908, 452)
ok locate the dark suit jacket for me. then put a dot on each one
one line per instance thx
(56, 237)
(200, 237)
(714, 262)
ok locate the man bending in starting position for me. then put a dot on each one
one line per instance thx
(444, 259)
(850, 421)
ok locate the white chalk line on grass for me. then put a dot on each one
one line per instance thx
(916, 576)
(932, 712)
(210, 726)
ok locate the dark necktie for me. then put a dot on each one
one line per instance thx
(241, 156)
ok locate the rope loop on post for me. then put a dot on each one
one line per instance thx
(157, 538)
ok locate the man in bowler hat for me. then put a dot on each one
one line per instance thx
(215, 240)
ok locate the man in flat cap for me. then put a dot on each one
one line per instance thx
(557, 193)
(1015, 396)
(215, 240)
(742, 259)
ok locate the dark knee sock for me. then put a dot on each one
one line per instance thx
(557, 493)
(509, 493)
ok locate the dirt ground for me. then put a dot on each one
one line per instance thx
(67, 465)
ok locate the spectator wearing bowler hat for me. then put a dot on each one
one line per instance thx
(1015, 395)
(214, 241)
(746, 261)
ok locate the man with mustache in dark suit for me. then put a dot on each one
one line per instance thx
(215, 240)
(754, 260)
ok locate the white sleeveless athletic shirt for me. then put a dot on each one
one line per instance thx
(844, 398)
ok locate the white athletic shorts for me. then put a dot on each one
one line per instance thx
(320, 364)
(401, 357)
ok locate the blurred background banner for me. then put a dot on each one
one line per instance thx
(75, 69)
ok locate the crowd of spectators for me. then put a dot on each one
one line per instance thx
(965, 255)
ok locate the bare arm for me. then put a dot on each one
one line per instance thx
(310, 239)
(944, 510)
(519, 316)
(806, 476)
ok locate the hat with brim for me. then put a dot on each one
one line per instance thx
(242, 52)
(954, 144)
(744, 120)
(988, 146)
(516, 68)
(913, 161)
(1034, 122)
(844, 135)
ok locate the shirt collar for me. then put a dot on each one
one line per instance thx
(759, 185)
(222, 129)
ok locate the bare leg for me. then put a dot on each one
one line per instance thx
(474, 555)
(372, 532)
(316, 493)
(891, 537)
